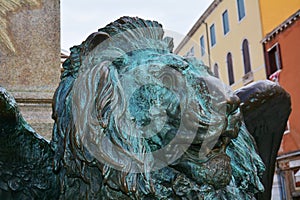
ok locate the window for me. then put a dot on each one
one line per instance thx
(230, 68)
(212, 35)
(216, 70)
(225, 22)
(241, 9)
(296, 177)
(190, 53)
(202, 45)
(273, 60)
(246, 56)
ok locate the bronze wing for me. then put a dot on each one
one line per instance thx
(25, 157)
(266, 107)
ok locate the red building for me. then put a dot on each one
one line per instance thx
(282, 56)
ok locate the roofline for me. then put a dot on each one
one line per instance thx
(200, 21)
(288, 155)
(65, 52)
(282, 26)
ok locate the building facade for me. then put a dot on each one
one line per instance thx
(275, 12)
(227, 39)
(248, 40)
(281, 45)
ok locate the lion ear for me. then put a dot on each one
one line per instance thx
(93, 40)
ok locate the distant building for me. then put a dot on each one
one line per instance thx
(227, 39)
(281, 42)
(64, 54)
(248, 40)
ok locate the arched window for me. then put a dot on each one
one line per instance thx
(216, 70)
(246, 56)
(230, 68)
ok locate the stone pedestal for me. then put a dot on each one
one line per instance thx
(30, 57)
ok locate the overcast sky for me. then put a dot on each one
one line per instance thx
(82, 17)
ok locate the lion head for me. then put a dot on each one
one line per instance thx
(134, 120)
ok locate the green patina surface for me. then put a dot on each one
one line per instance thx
(135, 121)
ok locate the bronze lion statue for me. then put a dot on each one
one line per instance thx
(132, 120)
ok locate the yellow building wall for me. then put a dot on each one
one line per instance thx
(248, 28)
(274, 12)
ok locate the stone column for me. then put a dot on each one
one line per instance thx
(30, 57)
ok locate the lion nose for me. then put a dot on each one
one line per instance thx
(232, 103)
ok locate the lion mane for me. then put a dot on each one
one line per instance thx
(91, 136)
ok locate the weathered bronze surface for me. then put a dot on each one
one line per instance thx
(135, 121)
